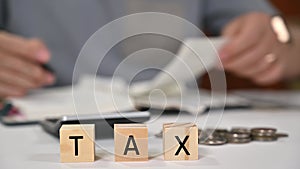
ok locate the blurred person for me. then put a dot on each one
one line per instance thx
(38, 32)
(256, 53)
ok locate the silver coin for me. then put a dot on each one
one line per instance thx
(213, 141)
(240, 130)
(278, 135)
(215, 132)
(211, 137)
(208, 133)
(239, 140)
(212, 130)
(236, 135)
(221, 132)
(264, 135)
(264, 139)
(263, 131)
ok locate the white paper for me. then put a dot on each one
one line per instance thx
(195, 57)
(168, 89)
(59, 101)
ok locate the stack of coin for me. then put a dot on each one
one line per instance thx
(212, 136)
(265, 134)
(239, 136)
(240, 130)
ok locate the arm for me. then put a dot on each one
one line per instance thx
(20, 61)
(253, 50)
(220, 13)
(291, 54)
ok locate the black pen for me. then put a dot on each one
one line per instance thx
(6, 107)
(48, 68)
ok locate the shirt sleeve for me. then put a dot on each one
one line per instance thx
(3, 14)
(217, 13)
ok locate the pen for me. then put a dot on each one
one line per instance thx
(48, 68)
(5, 108)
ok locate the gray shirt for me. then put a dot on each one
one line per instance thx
(65, 25)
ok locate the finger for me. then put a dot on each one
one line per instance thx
(7, 90)
(15, 79)
(26, 69)
(39, 49)
(260, 62)
(252, 61)
(271, 75)
(247, 38)
(232, 29)
(238, 45)
(31, 49)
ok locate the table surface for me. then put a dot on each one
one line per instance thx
(30, 147)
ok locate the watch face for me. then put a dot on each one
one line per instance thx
(280, 28)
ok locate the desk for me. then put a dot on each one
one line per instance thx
(30, 147)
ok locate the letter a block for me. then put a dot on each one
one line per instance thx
(77, 143)
(180, 141)
(131, 142)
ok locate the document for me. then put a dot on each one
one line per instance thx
(195, 57)
(89, 96)
(94, 95)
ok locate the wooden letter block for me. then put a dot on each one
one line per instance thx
(180, 141)
(77, 143)
(131, 142)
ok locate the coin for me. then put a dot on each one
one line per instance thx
(212, 131)
(204, 135)
(264, 138)
(239, 140)
(278, 135)
(213, 141)
(208, 133)
(221, 132)
(263, 132)
(212, 137)
(240, 130)
(237, 135)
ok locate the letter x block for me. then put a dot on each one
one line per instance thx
(131, 142)
(77, 143)
(180, 141)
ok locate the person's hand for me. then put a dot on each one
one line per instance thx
(252, 49)
(20, 65)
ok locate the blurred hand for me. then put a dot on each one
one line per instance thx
(20, 65)
(252, 50)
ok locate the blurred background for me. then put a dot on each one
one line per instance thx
(291, 11)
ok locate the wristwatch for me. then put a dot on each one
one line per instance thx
(281, 30)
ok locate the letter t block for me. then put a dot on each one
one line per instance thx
(180, 141)
(77, 143)
(131, 142)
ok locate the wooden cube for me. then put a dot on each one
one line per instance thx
(131, 142)
(77, 143)
(180, 141)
